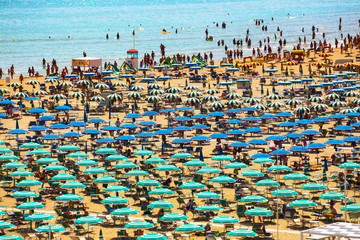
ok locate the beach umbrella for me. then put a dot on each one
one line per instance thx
(242, 233)
(258, 212)
(253, 198)
(207, 195)
(208, 208)
(316, 99)
(27, 183)
(182, 155)
(97, 99)
(263, 160)
(274, 97)
(118, 84)
(20, 95)
(161, 191)
(192, 185)
(116, 188)
(211, 91)
(284, 192)
(126, 165)
(167, 167)
(152, 236)
(4, 90)
(233, 96)
(62, 177)
(139, 225)
(351, 208)
(301, 110)
(156, 92)
(65, 85)
(10, 237)
(251, 100)
(137, 173)
(296, 176)
(224, 219)
(208, 170)
(189, 228)
(319, 107)
(313, 186)
(55, 168)
(52, 80)
(13, 164)
(233, 103)
(267, 182)
(332, 195)
(115, 97)
(161, 204)
(302, 203)
(72, 185)
(50, 228)
(24, 194)
(174, 217)
(144, 153)
(69, 197)
(194, 94)
(332, 96)
(38, 93)
(86, 163)
(293, 102)
(101, 86)
(236, 165)
(260, 107)
(39, 217)
(149, 183)
(216, 105)
(77, 155)
(115, 200)
(30, 205)
(57, 97)
(124, 211)
(68, 147)
(105, 179)
(21, 173)
(252, 173)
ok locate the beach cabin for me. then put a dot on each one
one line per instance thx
(86, 63)
(132, 58)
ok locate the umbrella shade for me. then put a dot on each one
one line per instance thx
(207, 195)
(55, 168)
(39, 217)
(161, 204)
(144, 152)
(284, 192)
(236, 165)
(167, 167)
(51, 228)
(161, 191)
(223, 158)
(302, 203)
(208, 170)
(69, 197)
(105, 179)
(332, 195)
(279, 168)
(182, 155)
(139, 225)
(253, 198)
(116, 157)
(258, 212)
(30, 205)
(137, 173)
(149, 182)
(124, 211)
(192, 185)
(263, 160)
(116, 188)
(68, 147)
(72, 185)
(267, 182)
(4, 225)
(155, 160)
(174, 217)
(115, 200)
(189, 228)
(313, 186)
(350, 165)
(152, 236)
(10, 237)
(30, 182)
(242, 233)
(295, 176)
(252, 173)
(22, 173)
(222, 179)
(208, 208)
(126, 165)
(88, 220)
(351, 208)
(31, 145)
(95, 170)
(24, 194)
(63, 176)
(87, 163)
(224, 219)
(78, 155)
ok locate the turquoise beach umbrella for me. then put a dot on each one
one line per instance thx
(253, 198)
(152, 236)
(116, 188)
(144, 152)
(332, 195)
(68, 147)
(14, 165)
(224, 219)
(139, 225)
(24, 194)
(95, 170)
(4, 225)
(258, 212)
(106, 151)
(126, 165)
(69, 197)
(77, 155)
(86, 163)
(167, 167)
(209, 208)
(284, 192)
(174, 217)
(72, 185)
(351, 208)
(51, 228)
(223, 158)
(242, 233)
(267, 182)
(149, 182)
(222, 179)
(39, 152)
(88, 220)
(208, 170)
(161, 204)
(10, 237)
(302, 203)
(280, 168)
(192, 185)
(155, 160)
(105, 179)
(236, 165)
(30, 205)
(195, 163)
(115, 200)
(252, 173)
(5, 150)
(124, 211)
(137, 173)
(63, 176)
(9, 157)
(161, 191)
(209, 195)
(313, 186)
(47, 160)
(182, 155)
(55, 168)
(39, 217)
(263, 160)
(295, 176)
(21, 173)
(350, 165)
(189, 228)
(27, 183)
(116, 157)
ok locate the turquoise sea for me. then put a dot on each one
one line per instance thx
(26, 25)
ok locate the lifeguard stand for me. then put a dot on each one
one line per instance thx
(132, 58)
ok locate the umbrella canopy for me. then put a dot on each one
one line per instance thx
(189, 228)
(50, 228)
(302, 203)
(152, 236)
(39, 217)
(139, 225)
(258, 212)
(224, 219)
(242, 233)
(174, 217)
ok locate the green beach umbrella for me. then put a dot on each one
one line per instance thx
(9, 157)
(39, 217)
(106, 151)
(209, 195)
(284, 192)
(144, 153)
(252, 173)
(149, 183)
(55, 168)
(30, 205)
(14, 165)
(295, 176)
(189, 228)
(192, 185)
(253, 198)
(267, 182)
(139, 225)
(167, 167)
(182, 155)
(174, 217)
(51, 228)
(105, 179)
(29, 182)
(137, 173)
(69, 197)
(161, 191)
(224, 219)
(4, 225)
(351, 208)
(222, 179)
(161, 204)
(209, 208)
(242, 233)
(10, 237)
(195, 163)
(208, 170)
(115, 200)
(152, 236)
(64, 176)
(258, 212)
(124, 211)
(31, 145)
(72, 185)
(24, 194)
(95, 170)
(263, 160)
(126, 165)
(302, 203)
(68, 147)
(47, 160)
(313, 186)
(332, 195)
(86, 162)
(116, 188)
(116, 157)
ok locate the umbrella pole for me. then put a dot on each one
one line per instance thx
(277, 203)
(345, 169)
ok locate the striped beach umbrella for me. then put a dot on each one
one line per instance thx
(101, 86)
(194, 94)
(137, 88)
(152, 99)
(33, 82)
(251, 100)
(332, 96)
(301, 110)
(347, 110)
(233, 96)
(156, 92)
(51, 80)
(84, 82)
(39, 93)
(4, 90)
(115, 97)
(134, 95)
(316, 99)
(20, 95)
(66, 85)
(276, 105)
(351, 94)
(293, 102)
(356, 101)
(211, 98)
(233, 103)
(57, 97)
(211, 91)
(76, 95)
(192, 101)
(173, 90)
(97, 99)
(118, 84)
(191, 87)
(337, 104)
(14, 84)
(274, 97)
(171, 96)
(319, 107)
(260, 107)
(357, 109)
(217, 105)
(154, 86)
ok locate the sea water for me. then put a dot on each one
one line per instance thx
(31, 30)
